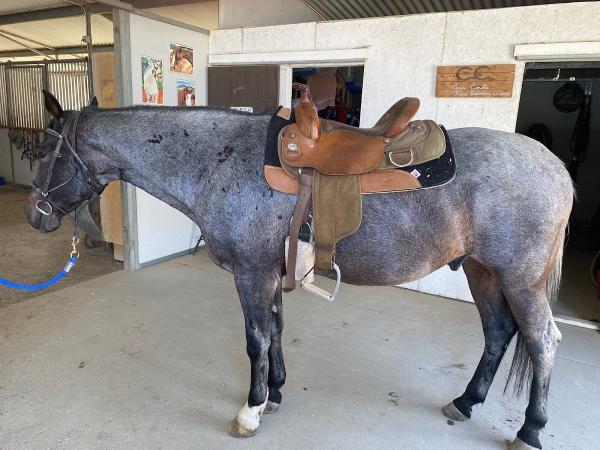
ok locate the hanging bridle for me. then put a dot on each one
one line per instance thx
(44, 205)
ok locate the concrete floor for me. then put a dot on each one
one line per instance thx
(155, 359)
(29, 256)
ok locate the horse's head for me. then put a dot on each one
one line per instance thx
(61, 182)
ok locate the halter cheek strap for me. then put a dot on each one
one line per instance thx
(44, 206)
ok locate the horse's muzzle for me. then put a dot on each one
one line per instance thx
(45, 223)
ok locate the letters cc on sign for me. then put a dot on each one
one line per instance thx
(471, 73)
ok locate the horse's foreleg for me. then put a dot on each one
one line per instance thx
(256, 289)
(531, 310)
(499, 327)
(276, 364)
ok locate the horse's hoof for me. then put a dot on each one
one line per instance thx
(452, 412)
(518, 444)
(271, 407)
(237, 430)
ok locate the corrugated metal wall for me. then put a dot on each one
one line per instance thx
(21, 84)
(354, 9)
(3, 97)
(24, 86)
(68, 81)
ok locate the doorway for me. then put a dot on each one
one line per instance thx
(560, 107)
(336, 91)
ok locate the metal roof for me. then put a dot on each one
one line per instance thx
(45, 25)
(46, 35)
(354, 9)
(19, 6)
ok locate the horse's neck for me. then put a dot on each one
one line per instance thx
(169, 153)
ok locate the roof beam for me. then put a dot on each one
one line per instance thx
(54, 13)
(58, 51)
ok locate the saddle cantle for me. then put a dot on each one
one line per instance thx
(332, 164)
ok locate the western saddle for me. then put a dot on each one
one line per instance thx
(333, 164)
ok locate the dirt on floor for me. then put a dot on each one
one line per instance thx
(30, 256)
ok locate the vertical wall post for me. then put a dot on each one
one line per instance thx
(124, 93)
(90, 51)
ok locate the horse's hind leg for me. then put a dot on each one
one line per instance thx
(276, 364)
(499, 327)
(536, 344)
(256, 288)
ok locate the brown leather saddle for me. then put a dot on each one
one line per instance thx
(333, 164)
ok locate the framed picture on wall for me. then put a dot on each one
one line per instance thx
(181, 59)
(186, 93)
(152, 80)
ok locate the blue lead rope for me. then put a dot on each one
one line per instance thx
(44, 285)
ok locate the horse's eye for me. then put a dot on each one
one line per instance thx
(41, 154)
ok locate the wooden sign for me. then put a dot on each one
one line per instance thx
(475, 81)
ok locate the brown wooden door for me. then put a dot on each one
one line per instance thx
(254, 86)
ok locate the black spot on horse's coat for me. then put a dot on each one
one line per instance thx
(185, 133)
(227, 151)
(156, 139)
(221, 160)
(280, 217)
(224, 190)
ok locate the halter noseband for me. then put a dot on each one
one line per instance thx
(44, 206)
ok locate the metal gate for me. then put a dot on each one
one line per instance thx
(21, 84)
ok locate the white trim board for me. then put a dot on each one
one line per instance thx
(558, 51)
(304, 58)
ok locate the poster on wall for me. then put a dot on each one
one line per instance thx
(152, 80)
(186, 93)
(181, 59)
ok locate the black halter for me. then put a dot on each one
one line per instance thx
(44, 205)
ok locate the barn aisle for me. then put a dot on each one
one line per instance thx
(156, 359)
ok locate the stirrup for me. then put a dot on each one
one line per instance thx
(322, 293)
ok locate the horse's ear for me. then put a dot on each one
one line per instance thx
(94, 102)
(52, 105)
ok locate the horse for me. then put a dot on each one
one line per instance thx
(504, 216)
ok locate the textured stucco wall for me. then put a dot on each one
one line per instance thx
(404, 52)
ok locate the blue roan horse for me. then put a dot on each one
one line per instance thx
(506, 211)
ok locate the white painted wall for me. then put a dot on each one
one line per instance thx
(23, 172)
(402, 55)
(244, 13)
(162, 230)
